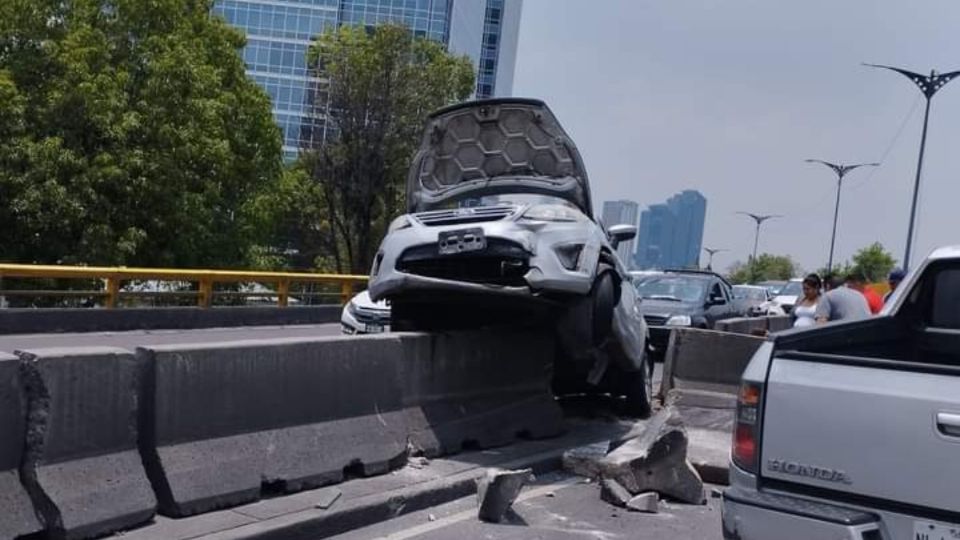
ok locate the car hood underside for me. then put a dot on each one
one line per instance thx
(495, 147)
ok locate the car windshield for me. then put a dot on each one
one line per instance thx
(673, 288)
(748, 293)
(794, 288)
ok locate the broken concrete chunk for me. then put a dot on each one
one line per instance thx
(497, 490)
(648, 502)
(585, 460)
(326, 497)
(656, 461)
(612, 492)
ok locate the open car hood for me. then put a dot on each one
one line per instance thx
(495, 147)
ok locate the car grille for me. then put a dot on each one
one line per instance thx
(371, 316)
(501, 263)
(465, 215)
(655, 320)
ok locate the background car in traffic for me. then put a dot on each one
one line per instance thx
(362, 315)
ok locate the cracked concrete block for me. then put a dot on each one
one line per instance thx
(17, 516)
(657, 461)
(81, 465)
(497, 490)
(612, 492)
(648, 502)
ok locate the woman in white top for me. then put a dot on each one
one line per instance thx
(805, 310)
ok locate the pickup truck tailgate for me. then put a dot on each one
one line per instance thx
(885, 431)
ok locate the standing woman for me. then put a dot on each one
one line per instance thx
(805, 310)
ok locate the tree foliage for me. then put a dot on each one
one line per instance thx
(383, 82)
(766, 267)
(131, 135)
(874, 262)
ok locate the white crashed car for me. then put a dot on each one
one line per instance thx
(362, 315)
(500, 230)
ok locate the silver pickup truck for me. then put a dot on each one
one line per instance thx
(852, 430)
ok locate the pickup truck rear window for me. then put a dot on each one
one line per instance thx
(945, 312)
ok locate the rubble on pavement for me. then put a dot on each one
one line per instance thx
(497, 490)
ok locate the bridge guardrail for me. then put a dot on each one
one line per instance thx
(114, 277)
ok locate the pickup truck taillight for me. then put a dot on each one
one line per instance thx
(746, 432)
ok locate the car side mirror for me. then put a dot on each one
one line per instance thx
(622, 233)
(716, 301)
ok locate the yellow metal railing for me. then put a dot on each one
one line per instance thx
(114, 277)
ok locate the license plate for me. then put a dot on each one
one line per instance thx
(462, 241)
(926, 530)
(374, 328)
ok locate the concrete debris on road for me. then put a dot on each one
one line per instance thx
(585, 460)
(656, 461)
(612, 492)
(648, 502)
(328, 496)
(497, 490)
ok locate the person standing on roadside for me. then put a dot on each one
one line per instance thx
(893, 280)
(805, 311)
(840, 303)
(858, 282)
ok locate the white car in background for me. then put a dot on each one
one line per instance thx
(788, 295)
(362, 315)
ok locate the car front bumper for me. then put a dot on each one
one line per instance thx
(753, 515)
(538, 241)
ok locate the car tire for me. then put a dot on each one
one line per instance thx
(638, 389)
(604, 301)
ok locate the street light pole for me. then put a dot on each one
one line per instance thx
(711, 253)
(759, 219)
(841, 171)
(929, 85)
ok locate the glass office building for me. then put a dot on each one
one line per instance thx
(671, 234)
(279, 33)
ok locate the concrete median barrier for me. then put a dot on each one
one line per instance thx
(707, 365)
(81, 465)
(17, 516)
(482, 389)
(224, 422)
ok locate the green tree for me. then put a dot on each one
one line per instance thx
(766, 267)
(383, 84)
(132, 135)
(874, 262)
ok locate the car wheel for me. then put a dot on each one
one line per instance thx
(639, 389)
(603, 297)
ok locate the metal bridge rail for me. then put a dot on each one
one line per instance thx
(113, 278)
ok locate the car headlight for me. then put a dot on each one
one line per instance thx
(552, 212)
(679, 320)
(402, 222)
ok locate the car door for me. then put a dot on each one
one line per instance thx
(719, 304)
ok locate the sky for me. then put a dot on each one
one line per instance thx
(729, 97)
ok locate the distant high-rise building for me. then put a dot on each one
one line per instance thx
(671, 234)
(621, 213)
(279, 32)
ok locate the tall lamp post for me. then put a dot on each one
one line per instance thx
(759, 219)
(711, 253)
(841, 171)
(929, 85)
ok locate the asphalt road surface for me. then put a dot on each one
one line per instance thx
(130, 340)
(557, 507)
